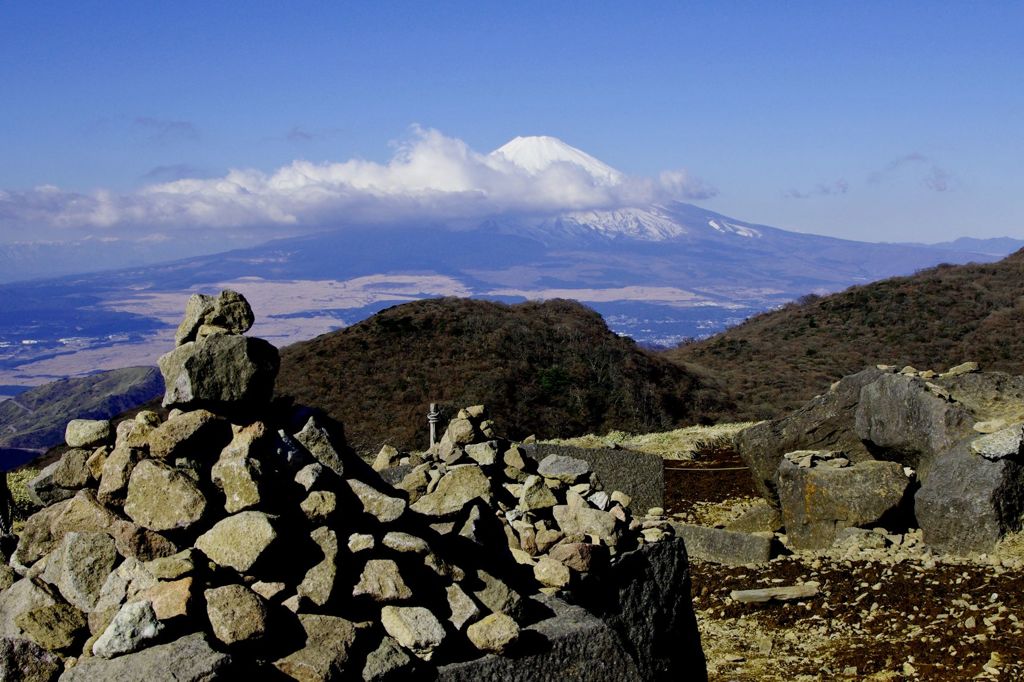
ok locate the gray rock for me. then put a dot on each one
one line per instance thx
(134, 625)
(905, 422)
(386, 458)
(823, 423)
(116, 473)
(238, 541)
(496, 595)
(384, 507)
(221, 372)
(162, 498)
(188, 659)
(43, 489)
(329, 640)
(580, 520)
(196, 434)
(381, 581)
(460, 486)
(535, 495)
(639, 475)
(969, 502)
(72, 470)
(1003, 443)
(724, 546)
(562, 468)
(819, 501)
(463, 609)
(24, 595)
(127, 582)
(319, 505)
(320, 581)
(387, 662)
(414, 627)
(236, 614)
(26, 661)
(483, 454)
(316, 439)
(229, 311)
(405, 543)
(88, 433)
(79, 566)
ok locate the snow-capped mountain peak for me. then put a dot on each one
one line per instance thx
(537, 153)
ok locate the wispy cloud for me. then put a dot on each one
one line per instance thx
(431, 177)
(932, 175)
(174, 171)
(297, 134)
(840, 186)
(166, 130)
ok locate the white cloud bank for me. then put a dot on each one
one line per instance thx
(430, 178)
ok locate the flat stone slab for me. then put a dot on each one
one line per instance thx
(780, 594)
(638, 474)
(724, 546)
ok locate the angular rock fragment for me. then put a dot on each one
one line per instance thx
(79, 566)
(463, 609)
(220, 372)
(236, 614)
(238, 541)
(384, 507)
(561, 468)
(535, 495)
(134, 625)
(382, 582)
(329, 640)
(387, 662)
(24, 595)
(414, 627)
(162, 498)
(26, 661)
(494, 633)
(460, 486)
(55, 628)
(319, 583)
(317, 441)
(172, 599)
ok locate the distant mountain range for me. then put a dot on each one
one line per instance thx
(659, 273)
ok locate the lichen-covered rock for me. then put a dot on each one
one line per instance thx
(56, 627)
(134, 625)
(228, 312)
(819, 501)
(236, 614)
(24, 595)
(581, 520)
(494, 633)
(320, 581)
(88, 433)
(329, 639)
(317, 441)
(535, 495)
(72, 471)
(162, 498)
(414, 627)
(196, 434)
(387, 662)
(79, 566)
(380, 505)
(220, 372)
(381, 581)
(460, 486)
(238, 541)
(463, 609)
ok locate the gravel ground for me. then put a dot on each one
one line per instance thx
(887, 608)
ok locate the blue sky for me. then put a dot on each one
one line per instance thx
(867, 120)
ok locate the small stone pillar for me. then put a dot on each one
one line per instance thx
(433, 416)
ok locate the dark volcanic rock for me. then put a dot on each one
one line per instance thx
(900, 419)
(823, 423)
(968, 502)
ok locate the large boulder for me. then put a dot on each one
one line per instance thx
(826, 422)
(909, 420)
(969, 501)
(220, 371)
(820, 500)
(228, 313)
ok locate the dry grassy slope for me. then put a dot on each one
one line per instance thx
(553, 369)
(934, 319)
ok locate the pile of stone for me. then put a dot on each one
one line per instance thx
(553, 514)
(898, 448)
(243, 537)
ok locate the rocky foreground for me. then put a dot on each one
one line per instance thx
(242, 537)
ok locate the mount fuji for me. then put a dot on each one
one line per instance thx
(658, 270)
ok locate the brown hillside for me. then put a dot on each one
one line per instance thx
(553, 369)
(934, 319)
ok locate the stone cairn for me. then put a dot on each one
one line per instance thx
(241, 536)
